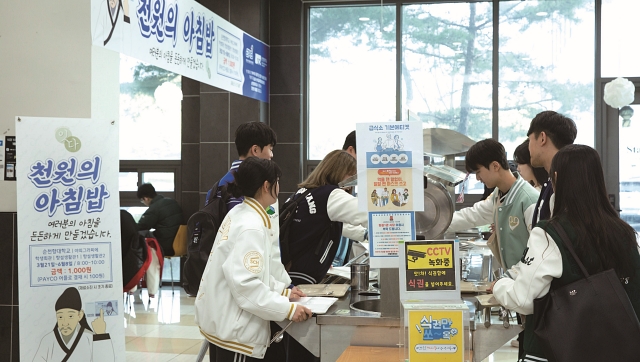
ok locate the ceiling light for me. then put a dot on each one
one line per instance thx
(461, 60)
(542, 13)
(364, 18)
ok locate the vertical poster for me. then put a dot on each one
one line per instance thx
(390, 184)
(69, 266)
(436, 335)
(10, 158)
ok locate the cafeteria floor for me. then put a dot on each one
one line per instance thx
(161, 329)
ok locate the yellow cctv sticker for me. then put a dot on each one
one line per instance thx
(430, 256)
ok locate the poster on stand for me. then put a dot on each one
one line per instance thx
(184, 37)
(386, 230)
(390, 166)
(69, 264)
(390, 184)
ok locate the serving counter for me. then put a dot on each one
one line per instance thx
(328, 335)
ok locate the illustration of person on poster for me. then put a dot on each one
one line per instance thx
(405, 197)
(395, 199)
(72, 339)
(374, 197)
(112, 12)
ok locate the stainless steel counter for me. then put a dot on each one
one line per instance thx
(329, 334)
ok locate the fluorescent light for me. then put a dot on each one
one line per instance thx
(542, 13)
(460, 60)
(364, 19)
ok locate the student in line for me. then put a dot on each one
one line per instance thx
(509, 207)
(536, 176)
(239, 294)
(599, 237)
(548, 133)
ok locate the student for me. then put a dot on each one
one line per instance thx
(344, 248)
(317, 226)
(536, 176)
(548, 133)
(164, 215)
(600, 238)
(349, 145)
(239, 293)
(252, 139)
(256, 139)
(509, 207)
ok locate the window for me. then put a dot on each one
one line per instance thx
(619, 53)
(545, 58)
(447, 77)
(150, 112)
(351, 72)
(546, 63)
(446, 68)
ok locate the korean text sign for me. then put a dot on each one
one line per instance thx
(69, 238)
(436, 335)
(390, 184)
(184, 37)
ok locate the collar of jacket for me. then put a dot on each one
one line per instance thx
(513, 191)
(259, 209)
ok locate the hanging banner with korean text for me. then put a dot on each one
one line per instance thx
(184, 37)
(390, 184)
(69, 264)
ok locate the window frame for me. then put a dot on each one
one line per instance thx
(129, 198)
(309, 164)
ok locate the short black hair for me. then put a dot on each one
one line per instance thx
(483, 153)
(350, 141)
(560, 129)
(522, 156)
(146, 190)
(254, 133)
(251, 174)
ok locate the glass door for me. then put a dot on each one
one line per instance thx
(629, 164)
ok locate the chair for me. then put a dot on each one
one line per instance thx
(180, 243)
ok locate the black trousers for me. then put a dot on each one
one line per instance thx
(275, 353)
(219, 354)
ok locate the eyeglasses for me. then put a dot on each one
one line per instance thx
(142, 201)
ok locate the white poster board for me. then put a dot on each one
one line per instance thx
(184, 37)
(390, 184)
(69, 257)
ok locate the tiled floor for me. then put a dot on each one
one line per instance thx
(162, 329)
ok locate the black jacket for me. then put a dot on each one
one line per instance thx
(165, 216)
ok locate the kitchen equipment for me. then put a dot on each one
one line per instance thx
(359, 276)
(442, 141)
(438, 211)
(449, 176)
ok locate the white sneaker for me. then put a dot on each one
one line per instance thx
(515, 343)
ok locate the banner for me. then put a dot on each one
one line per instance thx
(184, 37)
(69, 257)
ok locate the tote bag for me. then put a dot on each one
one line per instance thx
(590, 319)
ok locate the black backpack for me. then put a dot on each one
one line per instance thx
(202, 229)
(287, 213)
